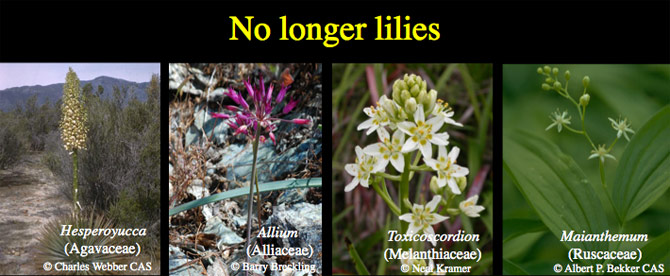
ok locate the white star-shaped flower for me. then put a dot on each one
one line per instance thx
(378, 118)
(559, 120)
(622, 126)
(447, 170)
(443, 110)
(470, 208)
(361, 170)
(421, 218)
(422, 133)
(388, 150)
(601, 153)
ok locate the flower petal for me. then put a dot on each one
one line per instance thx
(398, 136)
(426, 149)
(433, 203)
(398, 161)
(418, 114)
(374, 149)
(437, 218)
(351, 169)
(359, 153)
(406, 126)
(458, 171)
(442, 151)
(365, 124)
(440, 139)
(453, 186)
(351, 185)
(453, 155)
(436, 123)
(409, 145)
(383, 135)
(406, 217)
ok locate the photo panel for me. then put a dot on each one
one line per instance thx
(412, 155)
(586, 160)
(245, 167)
(80, 168)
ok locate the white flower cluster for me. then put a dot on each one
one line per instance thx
(73, 120)
(415, 117)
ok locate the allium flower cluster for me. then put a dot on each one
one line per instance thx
(73, 120)
(245, 120)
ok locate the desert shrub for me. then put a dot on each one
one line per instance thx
(10, 145)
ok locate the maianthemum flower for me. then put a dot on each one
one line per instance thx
(559, 120)
(245, 121)
(601, 153)
(470, 208)
(622, 126)
(422, 133)
(361, 170)
(447, 170)
(388, 150)
(422, 217)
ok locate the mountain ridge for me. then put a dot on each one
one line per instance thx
(10, 97)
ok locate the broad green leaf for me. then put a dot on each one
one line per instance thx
(510, 268)
(554, 186)
(515, 227)
(264, 187)
(655, 250)
(643, 173)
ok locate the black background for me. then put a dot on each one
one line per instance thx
(495, 32)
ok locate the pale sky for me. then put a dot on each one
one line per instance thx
(22, 74)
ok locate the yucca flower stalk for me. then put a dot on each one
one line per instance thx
(259, 120)
(73, 126)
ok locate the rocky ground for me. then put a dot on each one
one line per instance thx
(29, 198)
(205, 158)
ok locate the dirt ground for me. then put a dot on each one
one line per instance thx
(29, 197)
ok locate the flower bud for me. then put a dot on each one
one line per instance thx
(301, 121)
(415, 90)
(545, 86)
(539, 70)
(434, 187)
(410, 105)
(586, 81)
(567, 74)
(584, 100)
(404, 95)
(462, 183)
(432, 98)
(555, 71)
(423, 99)
(547, 69)
(549, 80)
(557, 85)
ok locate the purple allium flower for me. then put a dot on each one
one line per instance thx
(245, 120)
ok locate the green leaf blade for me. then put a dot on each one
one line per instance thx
(643, 173)
(264, 187)
(554, 186)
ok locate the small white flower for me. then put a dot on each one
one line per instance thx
(470, 208)
(378, 118)
(422, 133)
(388, 150)
(622, 126)
(361, 170)
(411, 262)
(447, 170)
(422, 218)
(601, 153)
(559, 120)
(443, 110)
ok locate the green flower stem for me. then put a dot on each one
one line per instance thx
(388, 176)
(251, 191)
(602, 173)
(582, 114)
(580, 132)
(403, 188)
(384, 195)
(75, 180)
(421, 168)
(416, 161)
